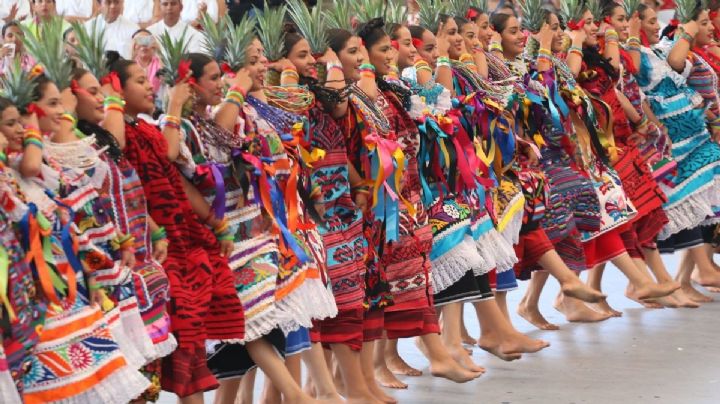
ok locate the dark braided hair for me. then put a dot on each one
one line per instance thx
(593, 59)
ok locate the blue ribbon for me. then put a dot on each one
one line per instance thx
(278, 206)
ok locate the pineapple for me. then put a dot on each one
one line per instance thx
(572, 10)
(214, 34)
(430, 12)
(685, 10)
(272, 36)
(631, 6)
(17, 86)
(533, 15)
(339, 15)
(91, 48)
(49, 51)
(238, 39)
(171, 56)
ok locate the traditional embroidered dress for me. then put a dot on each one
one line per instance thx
(130, 216)
(203, 301)
(76, 359)
(406, 260)
(693, 194)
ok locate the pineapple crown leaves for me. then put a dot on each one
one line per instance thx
(91, 47)
(396, 13)
(430, 13)
(270, 23)
(310, 23)
(214, 33)
(240, 36)
(533, 14)
(572, 10)
(339, 15)
(631, 6)
(459, 8)
(481, 5)
(366, 10)
(17, 86)
(687, 10)
(595, 8)
(171, 55)
(48, 50)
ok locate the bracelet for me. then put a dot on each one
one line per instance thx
(3, 157)
(112, 103)
(292, 73)
(222, 231)
(158, 235)
(495, 46)
(543, 51)
(32, 137)
(444, 61)
(333, 65)
(611, 36)
(122, 242)
(235, 97)
(360, 189)
(632, 39)
(576, 50)
(684, 35)
(69, 117)
(366, 67)
(239, 90)
(171, 121)
(367, 75)
(94, 287)
(330, 68)
(642, 123)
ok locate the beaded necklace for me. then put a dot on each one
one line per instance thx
(212, 135)
(293, 99)
(276, 117)
(369, 111)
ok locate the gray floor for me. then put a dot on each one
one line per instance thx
(648, 356)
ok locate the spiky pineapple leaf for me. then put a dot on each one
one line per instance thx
(533, 15)
(339, 15)
(16, 86)
(572, 10)
(631, 6)
(685, 9)
(270, 30)
(172, 53)
(366, 10)
(595, 9)
(429, 13)
(395, 13)
(48, 49)
(459, 8)
(90, 48)
(481, 5)
(239, 38)
(214, 33)
(310, 23)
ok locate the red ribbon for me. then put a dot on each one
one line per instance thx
(113, 79)
(576, 26)
(472, 14)
(33, 108)
(713, 14)
(644, 38)
(183, 72)
(395, 44)
(417, 43)
(607, 20)
(674, 23)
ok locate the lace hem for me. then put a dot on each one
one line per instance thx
(310, 301)
(451, 266)
(133, 356)
(166, 347)
(135, 329)
(8, 390)
(495, 248)
(257, 326)
(691, 211)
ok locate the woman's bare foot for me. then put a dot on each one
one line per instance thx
(397, 365)
(576, 311)
(631, 293)
(581, 291)
(466, 338)
(695, 295)
(534, 317)
(379, 394)
(509, 346)
(652, 290)
(301, 399)
(331, 399)
(386, 378)
(709, 280)
(309, 387)
(460, 355)
(683, 300)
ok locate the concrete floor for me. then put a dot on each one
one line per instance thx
(667, 356)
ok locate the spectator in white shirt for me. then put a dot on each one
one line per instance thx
(14, 10)
(118, 29)
(193, 9)
(142, 12)
(77, 10)
(170, 11)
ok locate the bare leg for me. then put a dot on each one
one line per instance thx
(356, 390)
(196, 398)
(570, 284)
(441, 363)
(451, 337)
(705, 273)
(383, 374)
(711, 258)
(572, 309)
(684, 274)
(324, 388)
(501, 301)
(499, 337)
(467, 339)
(367, 355)
(528, 307)
(645, 288)
(657, 266)
(395, 363)
(274, 368)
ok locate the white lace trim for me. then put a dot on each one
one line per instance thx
(133, 356)
(310, 301)
(261, 324)
(691, 211)
(135, 329)
(453, 265)
(124, 385)
(8, 390)
(511, 233)
(166, 347)
(661, 69)
(505, 257)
